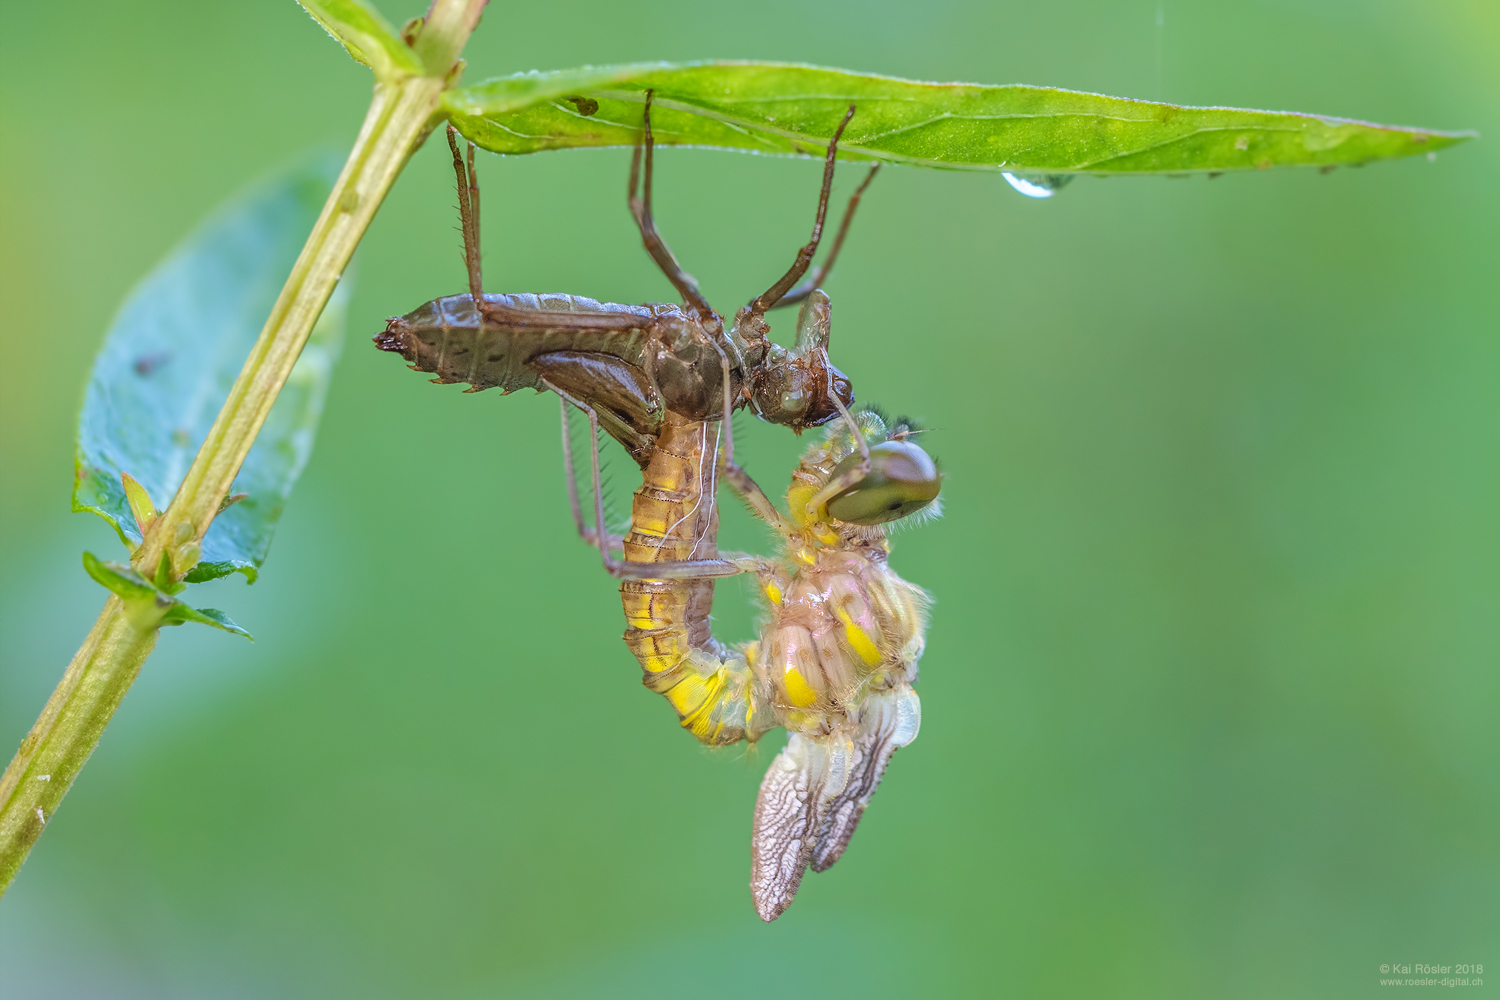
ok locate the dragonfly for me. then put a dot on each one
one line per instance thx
(645, 374)
(838, 652)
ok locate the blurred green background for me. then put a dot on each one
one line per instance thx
(1210, 687)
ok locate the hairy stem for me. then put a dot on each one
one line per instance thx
(59, 744)
(402, 113)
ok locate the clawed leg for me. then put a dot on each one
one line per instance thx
(640, 209)
(819, 273)
(686, 285)
(784, 284)
(468, 214)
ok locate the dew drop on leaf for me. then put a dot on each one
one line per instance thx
(1038, 185)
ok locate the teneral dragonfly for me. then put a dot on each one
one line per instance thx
(838, 650)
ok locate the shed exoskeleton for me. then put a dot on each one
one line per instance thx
(636, 362)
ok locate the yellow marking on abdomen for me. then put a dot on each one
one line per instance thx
(798, 691)
(860, 640)
(671, 519)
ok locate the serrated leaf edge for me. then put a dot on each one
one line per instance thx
(375, 43)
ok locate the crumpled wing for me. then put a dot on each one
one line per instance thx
(804, 777)
(814, 794)
(890, 721)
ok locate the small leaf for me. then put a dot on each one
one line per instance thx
(120, 578)
(143, 597)
(367, 36)
(164, 580)
(782, 108)
(180, 613)
(230, 499)
(141, 506)
(173, 352)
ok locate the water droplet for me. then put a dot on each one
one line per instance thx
(1038, 185)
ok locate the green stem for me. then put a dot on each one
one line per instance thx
(401, 115)
(57, 747)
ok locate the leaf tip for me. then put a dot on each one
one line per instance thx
(141, 507)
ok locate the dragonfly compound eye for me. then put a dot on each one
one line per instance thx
(902, 480)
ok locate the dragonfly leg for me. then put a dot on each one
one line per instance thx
(749, 491)
(815, 280)
(686, 284)
(640, 210)
(728, 564)
(468, 214)
(772, 295)
(570, 474)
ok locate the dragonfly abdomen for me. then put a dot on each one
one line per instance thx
(674, 518)
(448, 338)
(629, 362)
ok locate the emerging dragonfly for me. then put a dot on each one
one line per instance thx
(837, 654)
(644, 373)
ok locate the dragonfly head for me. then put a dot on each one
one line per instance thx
(796, 391)
(796, 387)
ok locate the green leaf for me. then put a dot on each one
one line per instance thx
(141, 507)
(145, 598)
(120, 578)
(180, 613)
(367, 36)
(781, 108)
(174, 350)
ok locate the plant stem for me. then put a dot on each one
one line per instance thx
(402, 113)
(59, 744)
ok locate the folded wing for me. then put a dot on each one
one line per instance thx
(815, 792)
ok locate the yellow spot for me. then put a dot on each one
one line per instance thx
(796, 500)
(693, 693)
(798, 691)
(859, 639)
(823, 533)
(700, 721)
(658, 664)
(773, 593)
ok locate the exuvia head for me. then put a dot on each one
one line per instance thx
(902, 480)
(795, 388)
(797, 391)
